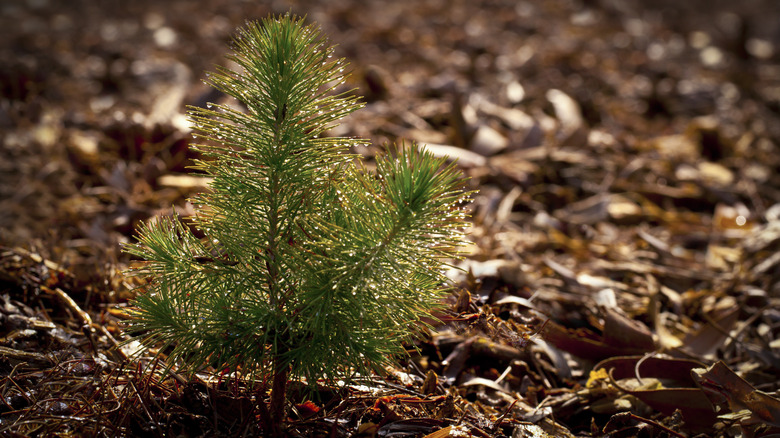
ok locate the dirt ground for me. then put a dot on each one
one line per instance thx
(624, 275)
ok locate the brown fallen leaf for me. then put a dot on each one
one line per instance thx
(584, 343)
(723, 387)
(714, 333)
(673, 372)
(620, 331)
(411, 427)
(430, 383)
(692, 403)
(441, 433)
(621, 336)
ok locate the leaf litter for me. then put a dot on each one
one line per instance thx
(623, 279)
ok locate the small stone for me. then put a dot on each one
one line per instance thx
(487, 141)
(515, 92)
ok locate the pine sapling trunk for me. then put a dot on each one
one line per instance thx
(278, 404)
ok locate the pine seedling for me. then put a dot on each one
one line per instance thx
(312, 267)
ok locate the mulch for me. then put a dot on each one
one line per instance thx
(624, 274)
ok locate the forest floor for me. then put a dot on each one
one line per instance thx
(624, 277)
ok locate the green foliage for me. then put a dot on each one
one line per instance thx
(310, 263)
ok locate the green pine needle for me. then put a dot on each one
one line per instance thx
(310, 261)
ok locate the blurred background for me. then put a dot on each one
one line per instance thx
(94, 136)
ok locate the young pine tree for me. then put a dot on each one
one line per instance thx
(312, 266)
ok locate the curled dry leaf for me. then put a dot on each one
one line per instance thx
(726, 390)
(620, 336)
(676, 389)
